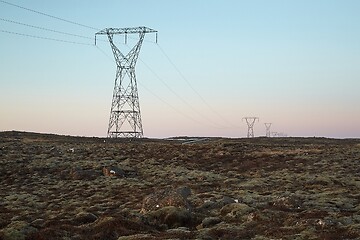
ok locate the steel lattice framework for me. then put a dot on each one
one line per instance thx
(250, 122)
(267, 126)
(125, 117)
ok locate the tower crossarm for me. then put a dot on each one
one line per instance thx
(250, 120)
(130, 59)
(129, 30)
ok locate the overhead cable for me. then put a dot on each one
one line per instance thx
(214, 124)
(45, 29)
(105, 54)
(192, 88)
(171, 106)
(48, 15)
(46, 38)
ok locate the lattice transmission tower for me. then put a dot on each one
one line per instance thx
(267, 126)
(250, 122)
(125, 117)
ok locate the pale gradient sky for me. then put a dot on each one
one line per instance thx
(293, 63)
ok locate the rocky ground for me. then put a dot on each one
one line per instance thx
(61, 187)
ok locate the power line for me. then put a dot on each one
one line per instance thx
(105, 54)
(215, 125)
(45, 29)
(48, 15)
(45, 38)
(169, 105)
(192, 88)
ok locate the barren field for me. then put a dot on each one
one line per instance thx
(62, 187)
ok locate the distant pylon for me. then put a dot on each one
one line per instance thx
(267, 126)
(250, 122)
(125, 117)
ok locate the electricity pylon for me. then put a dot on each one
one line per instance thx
(267, 126)
(250, 122)
(125, 117)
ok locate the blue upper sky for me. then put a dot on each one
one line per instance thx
(294, 63)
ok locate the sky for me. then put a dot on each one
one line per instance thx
(292, 63)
